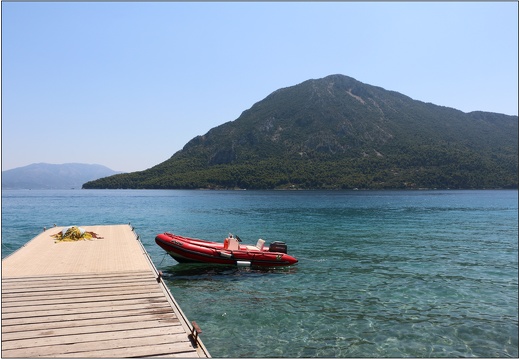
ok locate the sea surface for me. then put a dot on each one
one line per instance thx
(380, 273)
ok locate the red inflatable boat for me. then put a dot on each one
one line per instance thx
(230, 252)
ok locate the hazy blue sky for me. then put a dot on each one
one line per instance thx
(126, 85)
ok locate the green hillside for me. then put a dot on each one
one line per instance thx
(337, 132)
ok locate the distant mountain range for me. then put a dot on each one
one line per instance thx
(53, 176)
(339, 133)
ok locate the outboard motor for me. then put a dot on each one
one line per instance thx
(278, 247)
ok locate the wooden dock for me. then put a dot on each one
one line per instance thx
(91, 298)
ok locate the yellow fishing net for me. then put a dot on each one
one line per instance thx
(72, 234)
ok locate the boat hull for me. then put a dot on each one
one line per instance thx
(190, 250)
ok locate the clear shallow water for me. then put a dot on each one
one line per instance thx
(381, 273)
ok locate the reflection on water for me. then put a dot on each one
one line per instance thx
(196, 271)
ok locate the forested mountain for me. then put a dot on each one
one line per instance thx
(53, 176)
(337, 132)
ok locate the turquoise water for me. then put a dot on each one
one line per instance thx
(381, 273)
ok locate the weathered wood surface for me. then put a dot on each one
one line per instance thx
(123, 312)
(118, 250)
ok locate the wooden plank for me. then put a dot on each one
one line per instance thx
(52, 304)
(81, 349)
(166, 315)
(31, 284)
(77, 293)
(79, 308)
(173, 350)
(134, 331)
(91, 343)
(99, 327)
(63, 321)
(16, 300)
(30, 279)
(52, 290)
(75, 296)
(93, 279)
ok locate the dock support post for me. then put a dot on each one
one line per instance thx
(195, 331)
